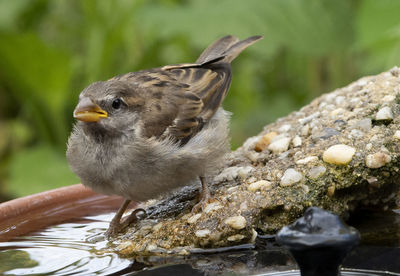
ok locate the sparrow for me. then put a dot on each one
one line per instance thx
(144, 134)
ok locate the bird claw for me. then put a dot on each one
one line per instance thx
(201, 205)
(116, 226)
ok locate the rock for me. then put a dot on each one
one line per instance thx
(309, 118)
(305, 130)
(377, 160)
(213, 206)
(233, 172)
(236, 237)
(290, 177)
(306, 160)
(385, 113)
(339, 154)
(296, 141)
(236, 222)
(243, 172)
(397, 135)
(388, 98)
(258, 185)
(202, 233)
(316, 172)
(193, 218)
(280, 145)
(331, 190)
(265, 140)
(325, 134)
(364, 125)
(336, 112)
(284, 128)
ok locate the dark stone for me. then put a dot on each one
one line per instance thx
(319, 241)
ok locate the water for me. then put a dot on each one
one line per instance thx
(61, 250)
(64, 249)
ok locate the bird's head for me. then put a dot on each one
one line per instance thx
(109, 107)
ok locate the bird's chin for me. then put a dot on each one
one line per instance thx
(102, 130)
(95, 129)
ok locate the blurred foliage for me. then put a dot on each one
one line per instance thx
(51, 49)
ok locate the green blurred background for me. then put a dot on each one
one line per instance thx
(51, 49)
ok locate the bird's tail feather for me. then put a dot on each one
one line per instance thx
(226, 49)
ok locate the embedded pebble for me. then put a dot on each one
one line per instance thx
(397, 135)
(284, 155)
(202, 233)
(233, 172)
(243, 206)
(385, 113)
(253, 156)
(336, 112)
(326, 133)
(250, 143)
(305, 130)
(213, 206)
(377, 160)
(309, 118)
(261, 184)
(339, 154)
(151, 247)
(280, 145)
(265, 140)
(395, 71)
(331, 190)
(388, 98)
(364, 125)
(373, 181)
(368, 146)
(355, 102)
(355, 133)
(193, 218)
(236, 237)
(183, 252)
(290, 176)
(339, 100)
(284, 128)
(306, 160)
(158, 226)
(243, 172)
(305, 188)
(296, 141)
(236, 222)
(316, 172)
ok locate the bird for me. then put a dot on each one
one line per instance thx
(144, 134)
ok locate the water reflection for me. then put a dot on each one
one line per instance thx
(61, 250)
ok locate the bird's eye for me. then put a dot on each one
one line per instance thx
(116, 104)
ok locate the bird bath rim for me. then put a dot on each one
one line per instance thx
(30, 213)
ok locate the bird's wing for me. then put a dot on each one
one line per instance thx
(181, 98)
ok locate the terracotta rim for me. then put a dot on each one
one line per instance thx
(34, 212)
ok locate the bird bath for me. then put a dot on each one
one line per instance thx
(49, 233)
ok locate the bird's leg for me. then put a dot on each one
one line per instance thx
(205, 196)
(117, 224)
(128, 220)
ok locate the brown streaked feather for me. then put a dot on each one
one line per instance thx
(217, 49)
(180, 98)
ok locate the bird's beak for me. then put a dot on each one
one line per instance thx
(88, 111)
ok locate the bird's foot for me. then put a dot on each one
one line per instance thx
(203, 202)
(205, 197)
(117, 224)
